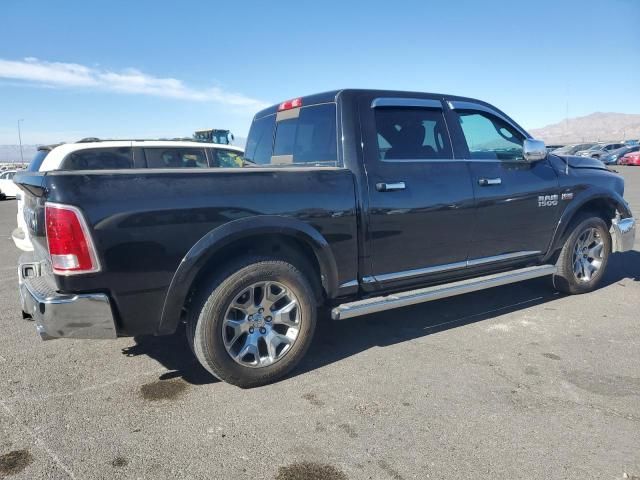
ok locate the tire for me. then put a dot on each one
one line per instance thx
(218, 326)
(576, 272)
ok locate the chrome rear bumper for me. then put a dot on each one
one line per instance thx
(59, 315)
(623, 234)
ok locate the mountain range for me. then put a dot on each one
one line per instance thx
(598, 126)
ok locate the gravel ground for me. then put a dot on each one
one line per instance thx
(513, 382)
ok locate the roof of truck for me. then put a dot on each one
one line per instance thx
(334, 95)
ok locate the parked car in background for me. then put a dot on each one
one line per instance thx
(7, 187)
(614, 155)
(551, 148)
(600, 149)
(632, 158)
(632, 142)
(96, 154)
(573, 148)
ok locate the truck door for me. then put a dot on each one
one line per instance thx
(420, 198)
(517, 201)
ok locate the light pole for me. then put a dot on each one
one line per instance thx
(20, 140)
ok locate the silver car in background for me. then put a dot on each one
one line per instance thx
(600, 149)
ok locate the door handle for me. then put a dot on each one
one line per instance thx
(484, 182)
(390, 187)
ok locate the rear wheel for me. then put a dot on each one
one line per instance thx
(254, 322)
(584, 256)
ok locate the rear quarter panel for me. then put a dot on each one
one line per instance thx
(144, 222)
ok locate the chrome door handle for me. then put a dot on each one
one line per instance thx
(390, 187)
(483, 182)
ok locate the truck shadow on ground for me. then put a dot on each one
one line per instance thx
(335, 341)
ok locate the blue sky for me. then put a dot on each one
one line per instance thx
(165, 68)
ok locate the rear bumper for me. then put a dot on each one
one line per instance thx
(623, 234)
(59, 315)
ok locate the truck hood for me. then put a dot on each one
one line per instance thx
(583, 162)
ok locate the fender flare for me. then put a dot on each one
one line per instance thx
(576, 205)
(220, 237)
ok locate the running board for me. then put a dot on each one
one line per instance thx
(412, 297)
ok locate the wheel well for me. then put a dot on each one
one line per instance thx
(290, 248)
(601, 207)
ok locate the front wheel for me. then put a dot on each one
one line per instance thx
(255, 322)
(584, 256)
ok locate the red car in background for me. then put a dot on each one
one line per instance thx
(632, 158)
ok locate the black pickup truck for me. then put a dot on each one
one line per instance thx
(356, 200)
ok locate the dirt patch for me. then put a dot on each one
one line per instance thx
(120, 462)
(163, 390)
(389, 470)
(532, 370)
(608, 385)
(15, 462)
(349, 430)
(552, 356)
(313, 399)
(310, 471)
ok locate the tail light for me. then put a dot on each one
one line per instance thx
(70, 246)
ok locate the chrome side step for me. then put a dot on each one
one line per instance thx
(412, 297)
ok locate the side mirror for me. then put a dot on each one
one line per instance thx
(534, 150)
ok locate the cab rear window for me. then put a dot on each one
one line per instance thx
(298, 137)
(37, 160)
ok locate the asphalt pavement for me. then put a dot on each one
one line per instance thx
(513, 382)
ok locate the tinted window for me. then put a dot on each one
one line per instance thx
(411, 134)
(489, 137)
(226, 158)
(308, 138)
(175, 158)
(99, 159)
(260, 140)
(37, 160)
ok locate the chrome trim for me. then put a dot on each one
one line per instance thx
(390, 187)
(349, 284)
(534, 150)
(462, 105)
(501, 258)
(58, 315)
(405, 102)
(484, 182)
(412, 297)
(385, 277)
(623, 234)
(369, 279)
(419, 272)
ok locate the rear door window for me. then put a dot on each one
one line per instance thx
(412, 134)
(99, 159)
(176, 157)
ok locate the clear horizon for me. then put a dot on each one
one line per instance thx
(148, 69)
